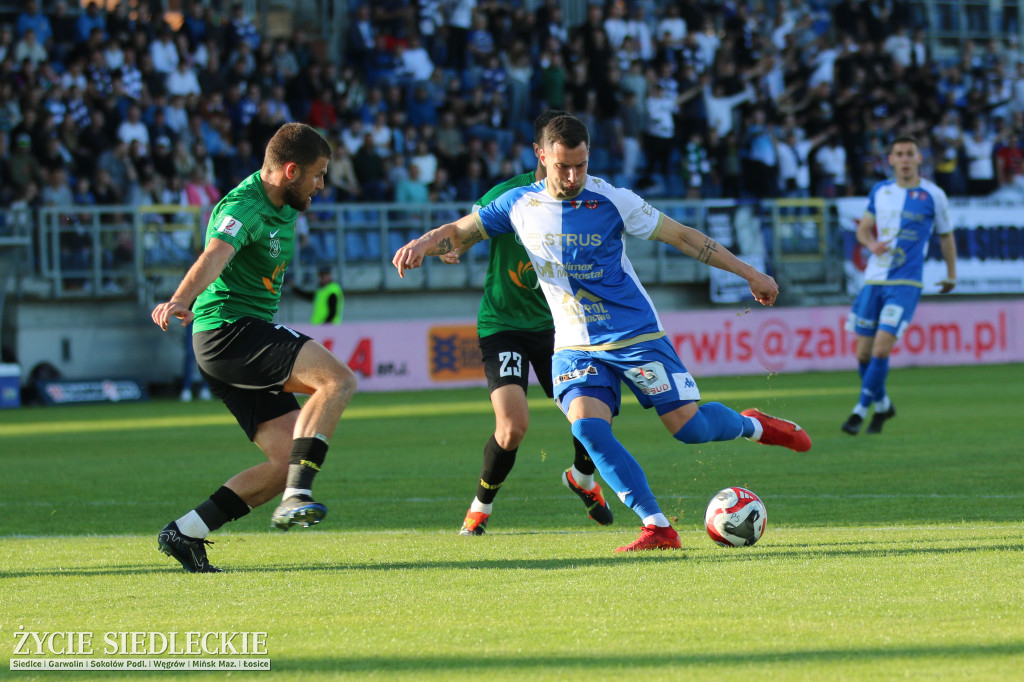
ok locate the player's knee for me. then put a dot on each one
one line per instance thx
(510, 435)
(340, 383)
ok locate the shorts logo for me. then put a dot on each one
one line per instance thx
(230, 226)
(650, 378)
(575, 374)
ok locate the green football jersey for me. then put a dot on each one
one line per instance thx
(512, 297)
(264, 239)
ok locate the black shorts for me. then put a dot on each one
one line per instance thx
(246, 364)
(507, 353)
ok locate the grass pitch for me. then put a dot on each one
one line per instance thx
(900, 555)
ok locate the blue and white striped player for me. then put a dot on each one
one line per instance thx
(606, 328)
(903, 212)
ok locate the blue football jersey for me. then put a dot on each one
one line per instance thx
(905, 218)
(576, 248)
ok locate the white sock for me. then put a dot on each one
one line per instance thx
(758, 430)
(658, 520)
(192, 525)
(585, 481)
(292, 492)
(883, 405)
(860, 410)
(479, 506)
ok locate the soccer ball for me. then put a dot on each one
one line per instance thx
(735, 517)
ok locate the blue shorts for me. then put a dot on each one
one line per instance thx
(651, 369)
(885, 307)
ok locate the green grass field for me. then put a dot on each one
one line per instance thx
(892, 556)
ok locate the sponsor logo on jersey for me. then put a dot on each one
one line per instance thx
(522, 275)
(537, 239)
(532, 203)
(650, 378)
(275, 247)
(230, 226)
(575, 374)
(590, 203)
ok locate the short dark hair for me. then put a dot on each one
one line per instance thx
(567, 130)
(903, 139)
(298, 143)
(542, 121)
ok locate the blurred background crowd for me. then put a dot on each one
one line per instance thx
(434, 100)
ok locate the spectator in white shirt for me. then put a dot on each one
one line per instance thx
(132, 128)
(831, 161)
(899, 47)
(164, 52)
(416, 63)
(615, 25)
(719, 108)
(672, 28)
(183, 81)
(979, 148)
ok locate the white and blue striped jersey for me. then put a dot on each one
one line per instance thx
(576, 249)
(905, 218)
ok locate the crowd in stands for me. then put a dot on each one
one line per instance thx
(433, 100)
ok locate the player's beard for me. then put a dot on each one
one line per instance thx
(563, 194)
(298, 200)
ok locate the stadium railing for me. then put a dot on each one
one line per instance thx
(142, 251)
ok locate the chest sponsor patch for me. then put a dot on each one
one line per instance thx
(230, 226)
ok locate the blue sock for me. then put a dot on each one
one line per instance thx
(617, 466)
(714, 421)
(873, 384)
(862, 367)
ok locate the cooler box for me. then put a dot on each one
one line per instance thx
(10, 386)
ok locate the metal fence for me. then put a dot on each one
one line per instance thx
(143, 251)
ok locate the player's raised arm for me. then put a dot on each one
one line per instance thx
(703, 248)
(457, 236)
(204, 271)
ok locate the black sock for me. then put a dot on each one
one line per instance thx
(583, 463)
(498, 462)
(223, 506)
(306, 458)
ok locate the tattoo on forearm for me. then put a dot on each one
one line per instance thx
(442, 247)
(469, 240)
(709, 249)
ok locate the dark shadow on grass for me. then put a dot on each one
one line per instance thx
(723, 557)
(469, 564)
(630, 661)
(513, 667)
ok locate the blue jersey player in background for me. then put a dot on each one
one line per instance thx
(606, 329)
(896, 228)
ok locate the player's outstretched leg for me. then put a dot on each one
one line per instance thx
(579, 478)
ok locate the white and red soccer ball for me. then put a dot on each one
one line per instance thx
(735, 517)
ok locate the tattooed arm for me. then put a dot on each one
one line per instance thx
(457, 236)
(703, 248)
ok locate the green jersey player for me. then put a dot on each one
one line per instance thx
(516, 330)
(253, 365)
